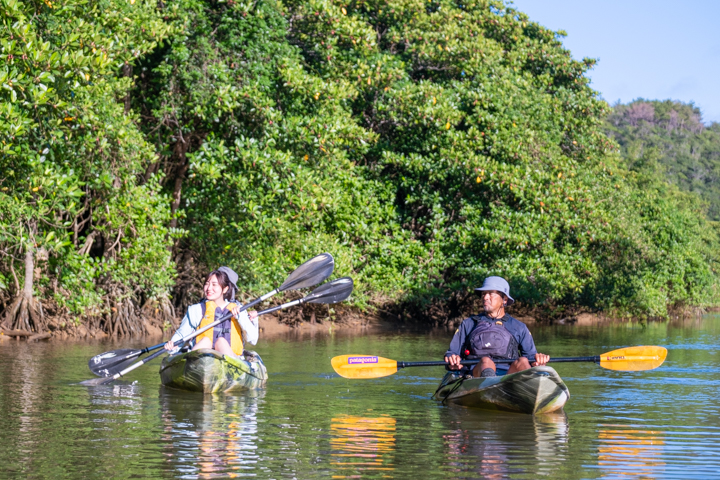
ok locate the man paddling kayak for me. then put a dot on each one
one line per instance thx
(494, 335)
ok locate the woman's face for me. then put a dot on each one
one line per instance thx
(213, 290)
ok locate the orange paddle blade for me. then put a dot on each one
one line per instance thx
(363, 366)
(634, 359)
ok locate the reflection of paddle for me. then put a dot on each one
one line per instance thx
(310, 273)
(331, 292)
(630, 359)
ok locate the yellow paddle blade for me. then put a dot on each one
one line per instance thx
(363, 366)
(634, 359)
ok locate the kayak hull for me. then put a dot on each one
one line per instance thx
(209, 371)
(535, 391)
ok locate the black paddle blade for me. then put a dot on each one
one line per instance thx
(310, 273)
(331, 292)
(105, 364)
(111, 370)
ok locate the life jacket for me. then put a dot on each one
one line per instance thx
(491, 339)
(236, 337)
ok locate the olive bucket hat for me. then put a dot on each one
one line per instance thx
(232, 276)
(497, 284)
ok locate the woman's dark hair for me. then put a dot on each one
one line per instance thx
(224, 281)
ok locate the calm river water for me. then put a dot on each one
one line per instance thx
(310, 423)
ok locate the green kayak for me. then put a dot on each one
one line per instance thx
(209, 371)
(536, 390)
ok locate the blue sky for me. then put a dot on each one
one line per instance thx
(651, 49)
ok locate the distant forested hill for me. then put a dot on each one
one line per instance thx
(670, 137)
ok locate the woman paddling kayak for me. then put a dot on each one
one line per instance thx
(229, 337)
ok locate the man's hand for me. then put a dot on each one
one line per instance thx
(170, 346)
(540, 359)
(453, 362)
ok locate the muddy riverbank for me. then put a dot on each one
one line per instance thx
(347, 321)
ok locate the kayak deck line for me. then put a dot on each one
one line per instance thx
(209, 371)
(535, 391)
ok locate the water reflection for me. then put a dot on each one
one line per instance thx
(210, 436)
(362, 444)
(496, 445)
(628, 452)
(663, 423)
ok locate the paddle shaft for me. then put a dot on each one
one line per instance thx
(595, 359)
(183, 340)
(177, 343)
(310, 273)
(189, 337)
(439, 363)
(243, 308)
(202, 330)
(217, 322)
(283, 306)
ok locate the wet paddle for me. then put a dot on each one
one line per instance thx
(630, 359)
(310, 273)
(331, 292)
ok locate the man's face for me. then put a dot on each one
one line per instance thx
(492, 300)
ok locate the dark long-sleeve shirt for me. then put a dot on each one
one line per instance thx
(517, 329)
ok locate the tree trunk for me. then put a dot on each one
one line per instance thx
(29, 272)
(25, 313)
(179, 177)
(127, 70)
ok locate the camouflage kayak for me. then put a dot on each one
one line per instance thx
(209, 371)
(536, 390)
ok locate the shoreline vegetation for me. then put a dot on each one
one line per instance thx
(274, 327)
(351, 320)
(425, 144)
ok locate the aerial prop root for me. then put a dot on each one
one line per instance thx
(25, 314)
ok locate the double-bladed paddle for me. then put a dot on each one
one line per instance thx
(629, 359)
(331, 292)
(310, 273)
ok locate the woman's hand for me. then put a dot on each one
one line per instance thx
(540, 359)
(453, 362)
(170, 346)
(251, 313)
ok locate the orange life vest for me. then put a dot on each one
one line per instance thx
(236, 337)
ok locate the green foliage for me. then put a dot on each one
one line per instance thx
(71, 156)
(426, 144)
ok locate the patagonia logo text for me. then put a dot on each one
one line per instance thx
(358, 360)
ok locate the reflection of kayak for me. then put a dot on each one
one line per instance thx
(536, 390)
(207, 370)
